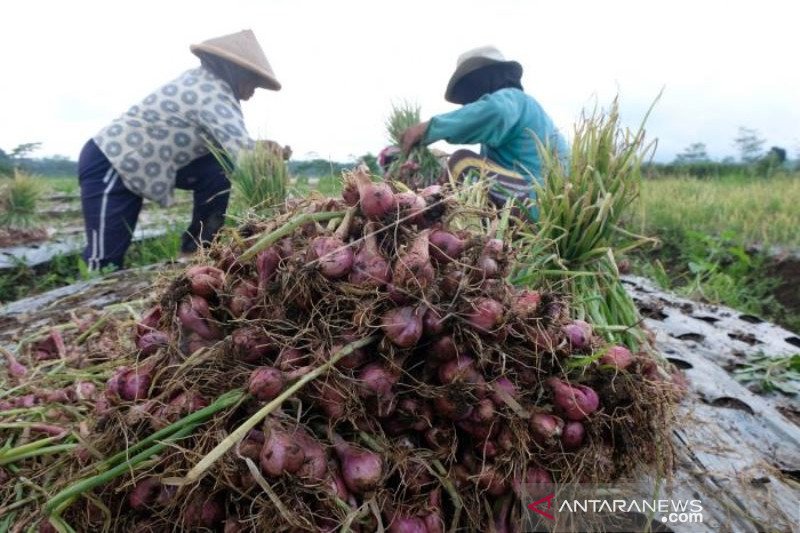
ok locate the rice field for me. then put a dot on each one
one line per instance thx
(757, 210)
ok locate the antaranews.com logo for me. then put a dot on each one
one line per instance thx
(610, 508)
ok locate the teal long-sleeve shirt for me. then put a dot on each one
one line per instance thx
(504, 123)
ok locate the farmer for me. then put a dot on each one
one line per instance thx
(162, 143)
(497, 114)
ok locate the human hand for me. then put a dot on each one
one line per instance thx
(285, 152)
(413, 136)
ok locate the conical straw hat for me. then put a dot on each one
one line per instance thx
(243, 50)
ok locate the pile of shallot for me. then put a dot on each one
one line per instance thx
(470, 395)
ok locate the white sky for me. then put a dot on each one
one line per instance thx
(70, 67)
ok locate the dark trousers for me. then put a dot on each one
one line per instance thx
(110, 210)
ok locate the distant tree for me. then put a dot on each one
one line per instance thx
(694, 153)
(57, 165)
(24, 150)
(777, 154)
(10, 161)
(371, 161)
(6, 165)
(771, 162)
(749, 145)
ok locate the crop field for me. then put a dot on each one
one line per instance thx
(759, 211)
(246, 302)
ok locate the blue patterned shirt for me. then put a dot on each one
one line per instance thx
(170, 128)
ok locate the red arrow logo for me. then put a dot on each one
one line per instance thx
(535, 506)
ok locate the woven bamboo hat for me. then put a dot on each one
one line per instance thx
(241, 49)
(476, 59)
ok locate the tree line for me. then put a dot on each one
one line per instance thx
(752, 159)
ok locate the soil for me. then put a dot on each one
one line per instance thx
(787, 269)
(15, 237)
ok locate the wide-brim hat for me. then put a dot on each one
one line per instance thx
(476, 59)
(241, 49)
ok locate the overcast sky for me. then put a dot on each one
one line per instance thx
(68, 68)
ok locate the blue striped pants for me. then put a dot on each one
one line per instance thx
(110, 210)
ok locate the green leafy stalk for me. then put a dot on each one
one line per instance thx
(228, 399)
(238, 434)
(287, 229)
(69, 494)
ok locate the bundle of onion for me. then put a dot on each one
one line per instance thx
(360, 362)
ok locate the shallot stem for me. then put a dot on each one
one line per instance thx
(58, 448)
(226, 400)
(344, 227)
(270, 238)
(63, 499)
(441, 474)
(239, 433)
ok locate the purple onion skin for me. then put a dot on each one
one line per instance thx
(408, 524)
(433, 522)
(579, 334)
(617, 356)
(195, 316)
(334, 257)
(537, 480)
(412, 207)
(183, 404)
(445, 246)
(15, 368)
(444, 349)
(144, 494)
(403, 326)
(130, 383)
(376, 200)
(250, 344)
(243, 298)
(331, 400)
(203, 512)
(502, 387)
(546, 428)
(413, 268)
(205, 280)
(573, 435)
(452, 410)
(376, 380)
(85, 390)
(527, 303)
(150, 342)
(350, 194)
(281, 454)
(267, 262)
(315, 465)
(490, 480)
(361, 469)
(576, 401)
(486, 314)
(291, 359)
(370, 269)
(149, 320)
(266, 383)
(432, 322)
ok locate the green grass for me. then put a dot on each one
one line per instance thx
(758, 210)
(24, 281)
(20, 198)
(707, 229)
(59, 184)
(330, 185)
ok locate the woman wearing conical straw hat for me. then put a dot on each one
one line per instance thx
(499, 116)
(161, 143)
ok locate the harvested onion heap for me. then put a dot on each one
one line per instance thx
(466, 391)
